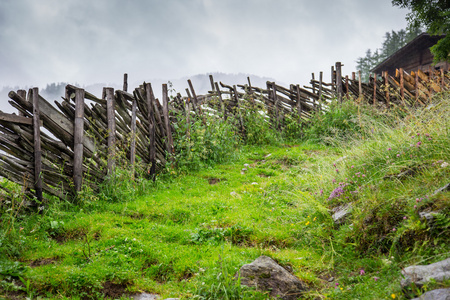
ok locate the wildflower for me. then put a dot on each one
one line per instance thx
(376, 278)
(352, 166)
(389, 149)
(394, 229)
(307, 223)
(314, 218)
(418, 144)
(398, 155)
(405, 217)
(362, 272)
(393, 296)
(334, 180)
(336, 284)
(337, 170)
(415, 206)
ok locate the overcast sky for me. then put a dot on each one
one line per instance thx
(96, 41)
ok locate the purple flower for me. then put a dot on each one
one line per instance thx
(405, 217)
(389, 149)
(362, 272)
(398, 155)
(376, 278)
(337, 171)
(334, 180)
(352, 166)
(394, 229)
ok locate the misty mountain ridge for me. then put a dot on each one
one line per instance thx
(200, 82)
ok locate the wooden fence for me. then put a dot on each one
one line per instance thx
(55, 149)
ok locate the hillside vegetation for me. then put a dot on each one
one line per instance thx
(233, 197)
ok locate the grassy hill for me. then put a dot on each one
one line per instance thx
(231, 199)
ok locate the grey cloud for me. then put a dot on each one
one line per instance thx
(97, 41)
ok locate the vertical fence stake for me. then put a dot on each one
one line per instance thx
(78, 140)
(339, 81)
(386, 86)
(375, 90)
(133, 137)
(359, 85)
(37, 145)
(222, 107)
(275, 100)
(125, 82)
(402, 88)
(299, 104)
(169, 141)
(320, 89)
(152, 134)
(23, 94)
(346, 87)
(110, 114)
(416, 87)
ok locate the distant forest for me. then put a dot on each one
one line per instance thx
(393, 41)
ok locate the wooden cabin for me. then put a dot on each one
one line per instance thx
(413, 56)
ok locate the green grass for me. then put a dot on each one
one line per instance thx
(187, 234)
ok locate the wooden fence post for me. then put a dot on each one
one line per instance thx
(416, 87)
(111, 117)
(299, 104)
(37, 145)
(402, 87)
(78, 134)
(211, 81)
(169, 141)
(386, 86)
(236, 97)
(346, 87)
(359, 85)
(133, 137)
(320, 89)
(23, 94)
(275, 100)
(125, 82)
(375, 90)
(313, 79)
(151, 128)
(222, 107)
(339, 81)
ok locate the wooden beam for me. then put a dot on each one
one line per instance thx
(169, 141)
(111, 116)
(37, 145)
(339, 81)
(151, 129)
(78, 140)
(125, 82)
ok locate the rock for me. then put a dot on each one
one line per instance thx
(341, 213)
(145, 296)
(429, 216)
(439, 294)
(419, 275)
(266, 275)
(442, 189)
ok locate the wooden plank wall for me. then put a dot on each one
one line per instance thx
(84, 137)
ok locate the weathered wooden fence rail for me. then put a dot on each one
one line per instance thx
(84, 137)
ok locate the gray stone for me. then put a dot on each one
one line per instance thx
(428, 215)
(145, 296)
(439, 294)
(341, 213)
(266, 275)
(419, 275)
(442, 189)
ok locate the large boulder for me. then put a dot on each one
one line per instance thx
(419, 275)
(266, 275)
(439, 294)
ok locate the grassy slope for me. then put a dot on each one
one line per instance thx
(178, 237)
